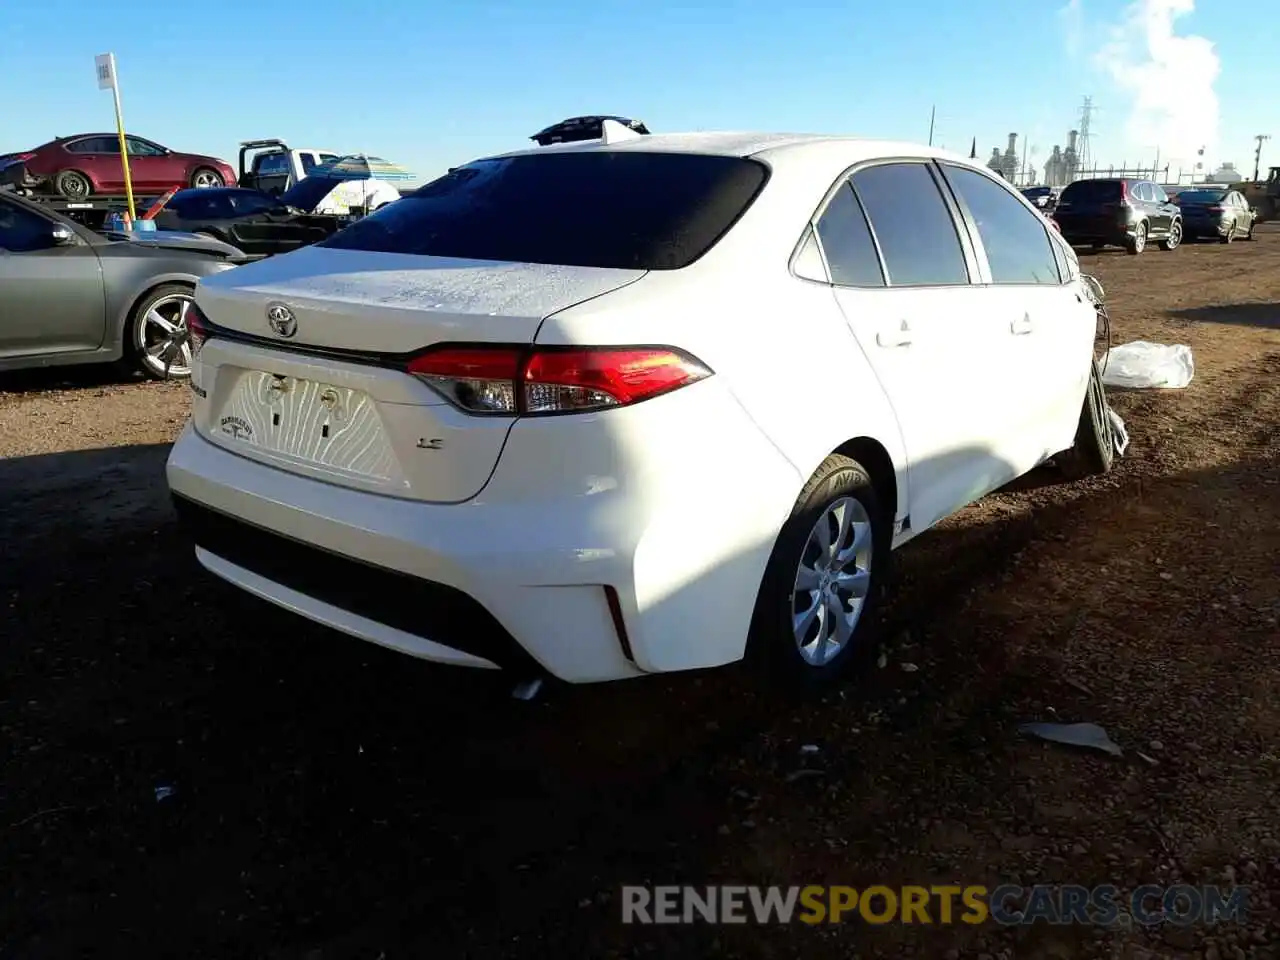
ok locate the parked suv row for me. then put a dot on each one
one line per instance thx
(1120, 213)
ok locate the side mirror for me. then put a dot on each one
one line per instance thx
(62, 235)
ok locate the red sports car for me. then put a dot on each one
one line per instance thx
(88, 163)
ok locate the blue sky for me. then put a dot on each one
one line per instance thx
(432, 84)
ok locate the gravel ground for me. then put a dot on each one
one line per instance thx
(324, 798)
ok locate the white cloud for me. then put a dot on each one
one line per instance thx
(1169, 80)
(1071, 22)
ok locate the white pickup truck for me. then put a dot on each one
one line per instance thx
(272, 166)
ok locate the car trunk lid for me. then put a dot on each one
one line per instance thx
(326, 395)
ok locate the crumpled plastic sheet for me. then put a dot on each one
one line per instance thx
(1141, 364)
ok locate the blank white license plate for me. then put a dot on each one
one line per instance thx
(336, 428)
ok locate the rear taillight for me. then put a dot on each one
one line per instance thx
(197, 329)
(547, 380)
(23, 157)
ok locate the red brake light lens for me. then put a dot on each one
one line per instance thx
(197, 329)
(548, 380)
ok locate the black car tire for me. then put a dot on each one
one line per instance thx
(1230, 235)
(73, 185)
(1175, 238)
(209, 173)
(773, 646)
(1093, 451)
(1249, 235)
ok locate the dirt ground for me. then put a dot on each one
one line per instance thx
(190, 772)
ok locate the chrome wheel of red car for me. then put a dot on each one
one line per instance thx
(204, 177)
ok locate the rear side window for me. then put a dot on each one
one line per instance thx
(1015, 239)
(913, 225)
(1091, 191)
(851, 254)
(624, 209)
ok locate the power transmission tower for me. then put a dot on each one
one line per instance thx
(1257, 154)
(1084, 152)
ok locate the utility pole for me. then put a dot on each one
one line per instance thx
(933, 111)
(1257, 154)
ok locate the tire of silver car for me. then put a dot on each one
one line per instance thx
(816, 613)
(1230, 235)
(1249, 235)
(156, 341)
(1093, 451)
(206, 177)
(73, 185)
(1138, 242)
(1174, 240)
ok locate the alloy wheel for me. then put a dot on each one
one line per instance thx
(161, 337)
(832, 581)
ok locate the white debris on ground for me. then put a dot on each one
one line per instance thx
(1119, 435)
(1141, 364)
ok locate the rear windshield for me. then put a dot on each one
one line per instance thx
(1092, 191)
(1201, 196)
(622, 209)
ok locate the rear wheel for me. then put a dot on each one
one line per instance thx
(1093, 451)
(1249, 235)
(1231, 234)
(157, 335)
(73, 185)
(1137, 242)
(1174, 239)
(815, 614)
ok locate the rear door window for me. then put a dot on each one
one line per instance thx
(1015, 239)
(601, 208)
(912, 224)
(850, 252)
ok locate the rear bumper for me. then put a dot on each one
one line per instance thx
(641, 574)
(1086, 230)
(1204, 227)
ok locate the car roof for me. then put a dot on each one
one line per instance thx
(770, 147)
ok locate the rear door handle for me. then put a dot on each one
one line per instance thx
(1021, 327)
(900, 337)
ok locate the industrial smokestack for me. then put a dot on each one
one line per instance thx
(1013, 143)
(1072, 137)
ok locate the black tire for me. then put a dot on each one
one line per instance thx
(1174, 240)
(1231, 234)
(207, 177)
(773, 645)
(1138, 242)
(1093, 451)
(1249, 235)
(134, 356)
(73, 185)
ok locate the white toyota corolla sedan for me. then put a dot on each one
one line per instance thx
(616, 408)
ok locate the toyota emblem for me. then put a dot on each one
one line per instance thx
(281, 320)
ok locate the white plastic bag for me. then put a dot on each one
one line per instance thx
(1143, 364)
